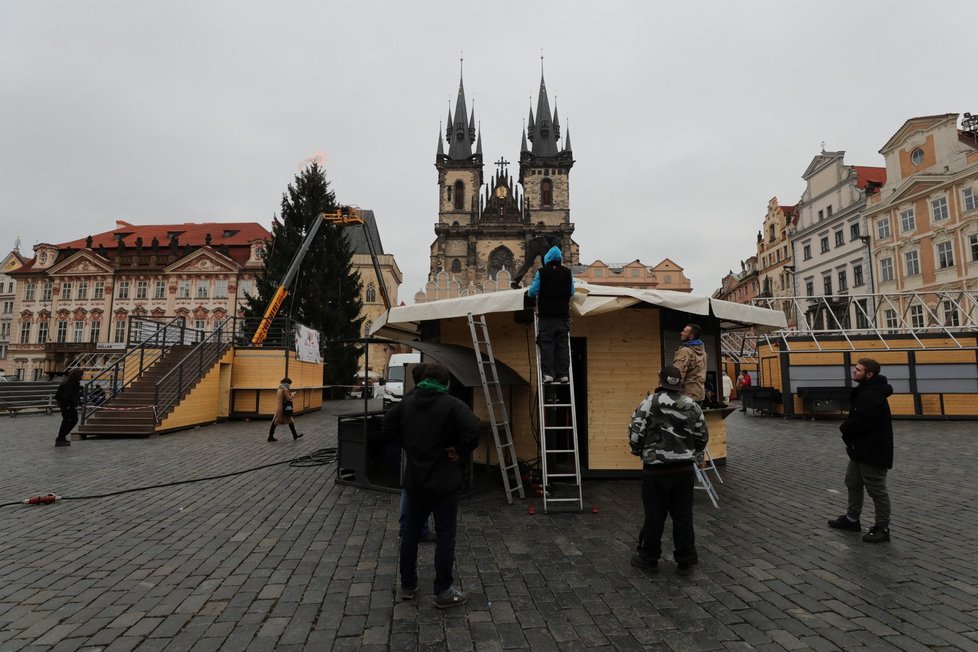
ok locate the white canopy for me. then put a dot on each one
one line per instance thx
(589, 299)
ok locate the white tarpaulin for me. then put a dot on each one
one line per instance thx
(307, 344)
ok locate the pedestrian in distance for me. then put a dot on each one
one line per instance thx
(668, 431)
(436, 430)
(553, 287)
(743, 385)
(537, 247)
(68, 397)
(868, 436)
(284, 408)
(690, 359)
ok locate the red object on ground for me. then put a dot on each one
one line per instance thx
(594, 509)
(532, 510)
(42, 500)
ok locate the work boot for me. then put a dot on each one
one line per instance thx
(62, 442)
(877, 534)
(298, 435)
(451, 597)
(409, 593)
(845, 523)
(271, 438)
(640, 562)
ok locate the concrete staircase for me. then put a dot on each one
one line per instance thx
(137, 417)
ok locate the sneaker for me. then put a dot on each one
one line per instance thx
(877, 534)
(563, 380)
(409, 594)
(296, 436)
(684, 568)
(845, 523)
(639, 562)
(547, 379)
(451, 597)
(62, 442)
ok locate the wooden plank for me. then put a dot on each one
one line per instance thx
(930, 404)
(952, 356)
(815, 359)
(961, 405)
(901, 404)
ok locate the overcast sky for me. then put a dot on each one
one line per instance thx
(685, 117)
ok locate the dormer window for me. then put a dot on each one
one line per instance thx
(230, 234)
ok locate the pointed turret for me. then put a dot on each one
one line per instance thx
(462, 131)
(478, 145)
(544, 133)
(567, 145)
(441, 144)
(523, 147)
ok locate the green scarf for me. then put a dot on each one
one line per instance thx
(433, 385)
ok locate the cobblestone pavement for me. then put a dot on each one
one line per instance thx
(283, 559)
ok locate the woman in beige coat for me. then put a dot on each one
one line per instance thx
(283, 410)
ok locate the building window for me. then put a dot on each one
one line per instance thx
(938, 209)
(827, 285)
(911, 260)
(8, 307)
(843, 282)
(886, 270)
(29, 291)
(221, 288)
(123, 290)
(951, 317)
(79, 331)
(459, 195)
(973, 245)
(98, 290)
(160, 292)
(853, 232)
(246, 287)
(824, 243)
(142, 289)
(806, 252)
(82, 290)
(821, 215)
(42, 332)
(95, 330)
(65, 291)
(456, 266)
(907, 220)
(809, 287)
(917, 156)
(4, 333)
(371, 292)
(201, 326)
(46, 288)
(840, 238)
(183, 291)
(970, 199)
(62, 330)
(857, 276)
(3, 351)
(917, 316)
(883, 228)
(120, 331)
(547, 192)
(828, 210)
(203, 286)
(861, 321)
(945, 257)
(890, 319)
(25, 332)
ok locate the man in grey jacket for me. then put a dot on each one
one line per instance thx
(668, 431)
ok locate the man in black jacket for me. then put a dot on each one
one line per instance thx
(435, 430)
(553, 287)
(68, 397)
(868, 435)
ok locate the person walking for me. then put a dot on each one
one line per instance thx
(435, 430)
(553, 286)
(283, 410)
(68, 398)
(690, 359)
(868, 436)
(668, 431)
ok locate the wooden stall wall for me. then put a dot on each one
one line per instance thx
(255, 377)
(202, 405)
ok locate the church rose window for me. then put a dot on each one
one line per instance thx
(547, 192)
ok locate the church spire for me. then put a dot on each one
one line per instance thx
(546, 131)
(441, 144)
(461, 132)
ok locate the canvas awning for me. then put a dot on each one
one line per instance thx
(460, 360)
(589, 299)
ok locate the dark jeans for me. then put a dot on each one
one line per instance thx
(672, 494)
(554, 347)
(873, 479)
(69, 418)
(445, 511)
(403, 518)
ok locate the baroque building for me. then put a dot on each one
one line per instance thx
(667, 275)
(483, 226)
(76, 297)
(8, 290)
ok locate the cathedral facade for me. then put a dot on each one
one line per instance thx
(485, 224)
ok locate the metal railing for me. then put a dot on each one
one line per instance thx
(172, 387)
(115, 378)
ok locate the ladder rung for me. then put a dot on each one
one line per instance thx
(562, 500)
(565, 451)
(561, 475)
(558, 427)
(557, 405)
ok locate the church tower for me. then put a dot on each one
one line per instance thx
(483, 228)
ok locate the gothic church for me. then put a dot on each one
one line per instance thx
(482, 227)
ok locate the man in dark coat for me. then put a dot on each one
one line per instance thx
(435, 430)
(68, 397)
(537, 247)
(553, 287)
(868, 435)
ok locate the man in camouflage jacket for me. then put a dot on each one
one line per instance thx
(668, 431)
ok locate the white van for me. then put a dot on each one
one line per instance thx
(394, 379)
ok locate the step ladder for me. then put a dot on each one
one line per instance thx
(703, 479)
(496, 407)
(559, 456)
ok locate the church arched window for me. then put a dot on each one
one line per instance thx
(500, 258)
(547, 192)
(371, 292)
(456, 266)
(459, 195)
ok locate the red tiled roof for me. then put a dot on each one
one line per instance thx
(866, 174)
(789, 210)
(193, 234)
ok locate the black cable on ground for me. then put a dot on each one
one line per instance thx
(321, 457)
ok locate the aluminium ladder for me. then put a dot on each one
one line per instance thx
(496, 407)
(559, 455)
(703, 478)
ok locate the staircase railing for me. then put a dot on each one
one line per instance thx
(171, 387)
(115, 378)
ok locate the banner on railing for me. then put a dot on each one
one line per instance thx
(307, 344)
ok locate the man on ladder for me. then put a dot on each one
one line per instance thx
(553, 287)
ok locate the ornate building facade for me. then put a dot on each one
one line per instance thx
(483, 227)
(667, 275)
(76, 297)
